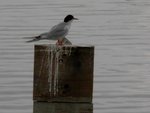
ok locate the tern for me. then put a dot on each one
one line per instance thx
(57, 32)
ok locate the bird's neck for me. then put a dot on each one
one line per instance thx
(68, 24)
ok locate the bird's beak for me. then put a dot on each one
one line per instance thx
(75, 18)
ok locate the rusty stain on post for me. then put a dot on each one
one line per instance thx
(63, 73)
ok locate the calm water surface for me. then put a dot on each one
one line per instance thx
(119, 30)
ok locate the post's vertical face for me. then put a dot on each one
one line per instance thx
(41, 69)
(63, 74)
(76, 74)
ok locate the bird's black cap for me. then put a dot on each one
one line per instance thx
(69, 18)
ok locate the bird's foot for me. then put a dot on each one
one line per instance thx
(59, 42)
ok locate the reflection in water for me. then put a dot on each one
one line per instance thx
(45, 107)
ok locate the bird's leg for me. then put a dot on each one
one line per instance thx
(59, 42)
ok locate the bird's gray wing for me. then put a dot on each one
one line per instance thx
(58, 31)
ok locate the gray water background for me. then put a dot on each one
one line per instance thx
(119, 30)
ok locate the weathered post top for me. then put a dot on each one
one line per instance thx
(63, 73)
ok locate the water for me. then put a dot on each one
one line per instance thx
(119, 30)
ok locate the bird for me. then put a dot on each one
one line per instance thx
(57, 32)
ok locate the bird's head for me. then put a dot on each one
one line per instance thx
(69, 18)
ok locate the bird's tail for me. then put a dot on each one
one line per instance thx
(33, 39)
